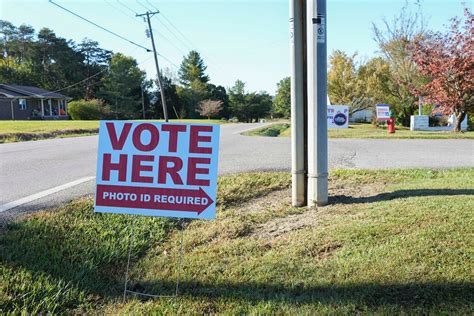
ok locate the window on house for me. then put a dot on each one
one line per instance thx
(22, 104)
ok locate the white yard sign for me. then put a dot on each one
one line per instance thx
(383, 112)
(157, 169)
(338, 116)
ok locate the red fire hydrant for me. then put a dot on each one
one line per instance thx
(391, 125)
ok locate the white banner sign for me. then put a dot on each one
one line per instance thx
(157, 169)
(383, 112)
(338, 116)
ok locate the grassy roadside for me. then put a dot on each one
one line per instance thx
(396, 241)
(16, 131)
(359, 130)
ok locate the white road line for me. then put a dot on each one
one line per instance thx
(44, 193)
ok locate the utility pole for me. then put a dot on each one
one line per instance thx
(317, 103)
(298, 101)
(149, 14)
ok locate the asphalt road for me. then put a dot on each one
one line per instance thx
(63, 169)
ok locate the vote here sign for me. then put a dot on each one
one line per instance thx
(157, 169)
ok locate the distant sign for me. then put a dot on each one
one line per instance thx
(157, 169)
(338, 116)
(383, 112)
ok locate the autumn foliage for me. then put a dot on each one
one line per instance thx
(447, 60)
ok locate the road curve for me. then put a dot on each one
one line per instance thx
(62, 168)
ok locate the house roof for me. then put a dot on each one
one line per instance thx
(17, 91)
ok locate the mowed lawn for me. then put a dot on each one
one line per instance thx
(390, 242)
(14, 131)
(364, 130)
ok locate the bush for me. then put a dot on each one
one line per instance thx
(234, 119)
(271, 132)
(470, 121)
(88, 110)
(438, 121)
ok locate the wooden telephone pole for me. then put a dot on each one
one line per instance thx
(149, 14)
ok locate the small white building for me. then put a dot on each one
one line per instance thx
(361, 116)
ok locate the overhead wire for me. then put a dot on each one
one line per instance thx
(100, 27)
(190, 44)
(134, 18)
(122, 11)
(126, 6)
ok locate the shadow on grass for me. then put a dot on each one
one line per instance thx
(400, 194)
(370, 294)
(99, 270)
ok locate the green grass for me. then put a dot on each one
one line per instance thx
(15, 131)
(363, 130)
(390, 242)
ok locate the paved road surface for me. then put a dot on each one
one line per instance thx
(29, 168)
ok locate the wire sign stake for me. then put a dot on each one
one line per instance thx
(157, 169)
(178, 268)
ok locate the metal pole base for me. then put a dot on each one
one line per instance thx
(298, 193)
(317, 190)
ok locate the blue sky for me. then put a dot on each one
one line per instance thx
(239, 39)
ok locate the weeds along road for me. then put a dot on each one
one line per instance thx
(46, 173)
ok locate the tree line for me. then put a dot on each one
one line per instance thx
(105, 84)
(414, 64)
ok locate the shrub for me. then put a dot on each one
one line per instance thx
(470, 121)
(88, 110)
(438, 121)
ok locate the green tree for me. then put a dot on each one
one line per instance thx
(25, 38)
(219, 93)
(248, 106)
(237, 100)
(95, 60)
(192, 69)
(345, 83)
(194, 82)
(396, 40)
(282, 102)
(173, 101)
(122, 86)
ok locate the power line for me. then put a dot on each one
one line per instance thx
(169, 41)
(134, 19)
(124, 5)
(168, 60)
(191, 45)
(83, 80)
(166, 26)
(101, 27)
(79, 82)
(121, 11)
(148, 9)
(172, 33)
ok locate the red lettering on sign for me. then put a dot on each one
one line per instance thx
(195, 138)
(173, 130)
(193, 170)
(117, 144)
(164, 169)
(137, 168)
(108, 166)
(154, 137)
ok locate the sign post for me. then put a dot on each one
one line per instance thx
(157, 169)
